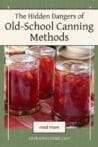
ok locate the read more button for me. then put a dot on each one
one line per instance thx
(49, 127)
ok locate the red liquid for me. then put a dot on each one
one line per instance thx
(71, 96)
(22, 89)
(46, 76)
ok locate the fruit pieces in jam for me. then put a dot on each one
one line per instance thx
(22, 88)
(46, 56)
(71, 95)
(46, 76)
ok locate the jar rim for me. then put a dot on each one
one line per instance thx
(40, 50)
(21, 58)
(73, 66)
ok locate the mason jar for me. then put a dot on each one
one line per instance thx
(46, 57)
(22, 84)
(72, 92)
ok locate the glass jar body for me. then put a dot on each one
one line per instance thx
(22, 84)
(71, 94)
(46, 57)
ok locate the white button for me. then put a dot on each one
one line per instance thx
(49, 127)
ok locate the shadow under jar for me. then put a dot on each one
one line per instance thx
(46, 57)
(72, 92)
(22, 87)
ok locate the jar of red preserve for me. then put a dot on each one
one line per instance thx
(72, 92)
(22, 84)
(46, 57)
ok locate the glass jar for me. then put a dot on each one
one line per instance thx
(46, 57)
(72, 92)
(22, 84)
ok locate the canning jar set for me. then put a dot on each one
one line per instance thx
(36, 76)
